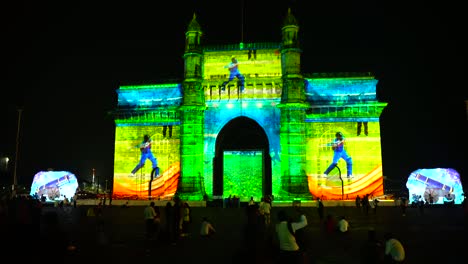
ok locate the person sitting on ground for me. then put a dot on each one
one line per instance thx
(343, 225)
(394, 251)
(207, 229)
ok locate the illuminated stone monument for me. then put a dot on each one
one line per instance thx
(270, 138)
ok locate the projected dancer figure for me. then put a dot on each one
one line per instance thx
(145, 148)
(234, 73)
(339, 152)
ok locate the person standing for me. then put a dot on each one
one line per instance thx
(170, 223)
(186, 219)
(234, 73)
(358, 202)
(290, 252)
(157, 222)
(365, 204)
(375, 205)
(320, 209)
(339, 152)
(265, 209)
(145, 148)
(403, 205)
(149, 215)
(359, 128)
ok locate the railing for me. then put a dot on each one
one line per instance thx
(243, 46)
(268, 89)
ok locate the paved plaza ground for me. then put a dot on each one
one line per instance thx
(436, 235)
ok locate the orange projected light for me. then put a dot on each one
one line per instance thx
(371, 183)
(163, 186)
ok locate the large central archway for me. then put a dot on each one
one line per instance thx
(245, 136)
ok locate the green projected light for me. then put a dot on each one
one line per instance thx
(242, 174)
(252, 63)
(258, 91)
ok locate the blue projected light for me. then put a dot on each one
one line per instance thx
(442, 185)
(149, 96)
(340, 90)
(54, 185)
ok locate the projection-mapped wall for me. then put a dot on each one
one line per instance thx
(128, 154)
(364, 151)
(294, 119)
(241, 173)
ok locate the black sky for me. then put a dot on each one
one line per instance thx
(64, 61)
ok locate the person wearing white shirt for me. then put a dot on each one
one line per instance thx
(265, 210)
(343, 225)
(285, 231)
(149, 215)
(394, 251)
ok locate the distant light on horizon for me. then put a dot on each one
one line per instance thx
(4, 163)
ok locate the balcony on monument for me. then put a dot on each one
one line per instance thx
(253, 89)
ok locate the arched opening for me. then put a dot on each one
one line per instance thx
(244, 138)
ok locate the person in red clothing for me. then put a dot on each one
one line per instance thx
(330, 224)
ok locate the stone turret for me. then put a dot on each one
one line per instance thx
(192, 115)
(293, 111)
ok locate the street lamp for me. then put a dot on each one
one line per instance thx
(15, 178)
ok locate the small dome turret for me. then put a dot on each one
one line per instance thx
(290, 20)
(193, 25)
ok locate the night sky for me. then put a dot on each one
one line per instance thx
(64, 61)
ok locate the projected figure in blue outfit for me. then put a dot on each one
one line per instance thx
(340, 153)
(234, 73)
(145, 148)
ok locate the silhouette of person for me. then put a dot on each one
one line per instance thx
(359, 128)
(234, 73)
(165, 130)
(340, 153)
(171, 224)
(145, 148)
(358, 202)
(372, 250)
(320, 209)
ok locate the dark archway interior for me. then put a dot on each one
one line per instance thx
(241, 133)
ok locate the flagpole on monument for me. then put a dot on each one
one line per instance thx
(15, 178)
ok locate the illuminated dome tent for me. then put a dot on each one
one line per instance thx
(444, 185)
(270, 138)
(54, 185)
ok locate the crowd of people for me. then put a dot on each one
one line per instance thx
(282, 228)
